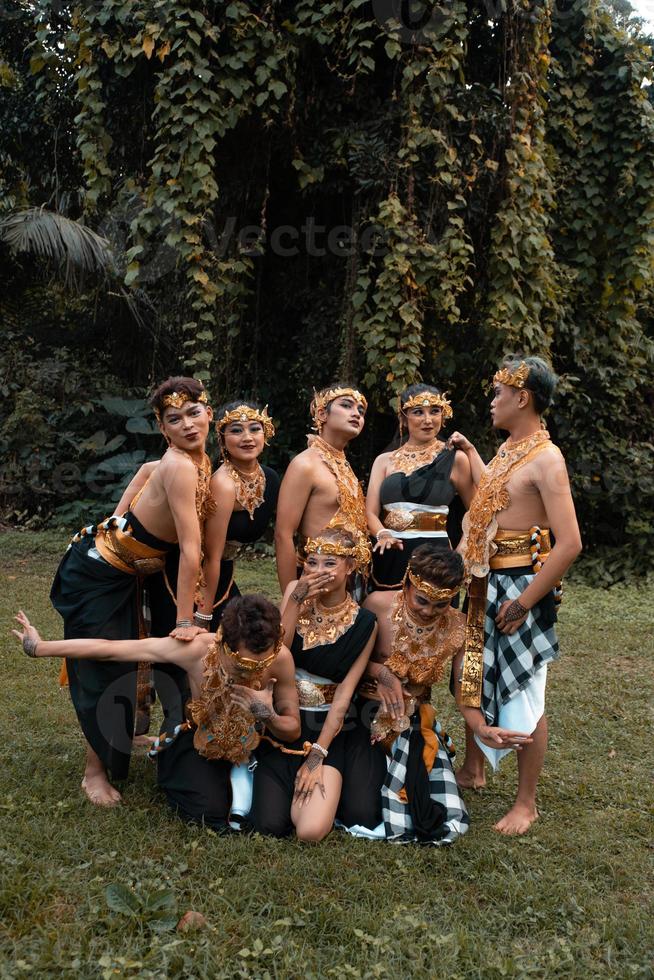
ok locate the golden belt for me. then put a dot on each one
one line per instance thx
(514, 548)
(312, 695)
(397, 519)
(128, 555)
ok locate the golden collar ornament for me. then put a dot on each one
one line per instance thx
(320, 625)
(245, 414)
(177, 399)
(351, 513)
(429, 399)
(420, 653)
(409, 458)
(250, 487)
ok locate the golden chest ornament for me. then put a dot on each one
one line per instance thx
(409, 458)
(320, 625)
(419, 654)
(250, 487)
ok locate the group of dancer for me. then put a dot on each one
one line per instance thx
(320, 713)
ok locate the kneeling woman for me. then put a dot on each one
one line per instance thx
(331, 639)
(241, 679)
(419, 635)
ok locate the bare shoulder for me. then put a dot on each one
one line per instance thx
(284, 666)
(550, 458)
(176, 462)
(378, 602)
(221, 480)
(147, 469)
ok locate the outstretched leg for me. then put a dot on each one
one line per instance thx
(472, 774)
(523, 813)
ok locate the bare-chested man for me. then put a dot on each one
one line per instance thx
(97, 586)
(514, 573)
(242, 680)
(319, 488)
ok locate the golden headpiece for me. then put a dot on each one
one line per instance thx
(244, 413)
(434, 594)
(325, 398)
(326, 546)
(428, 399)
(249, 664)
(516, 379)
(176, 399)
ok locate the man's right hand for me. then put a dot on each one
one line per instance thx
(501, 738)
(186, 633)
(458, 441)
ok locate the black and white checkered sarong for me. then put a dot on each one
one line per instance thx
(398, 825)
(511, 661)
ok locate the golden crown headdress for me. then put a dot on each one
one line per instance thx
(325, 398)
(516, 379)
(177, 399)
(431, 591)
(327, 546)
(249, 663)
(429, 399)
(245, 413)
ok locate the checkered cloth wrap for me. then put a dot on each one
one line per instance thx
(398, 825)
(510, 661)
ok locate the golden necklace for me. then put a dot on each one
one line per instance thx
(420, 653)
(320, 625)
(351, 513)
(250, 487)
(408, 458)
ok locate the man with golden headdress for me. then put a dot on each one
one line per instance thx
(319, 488)
(514, 572)
(98, 586)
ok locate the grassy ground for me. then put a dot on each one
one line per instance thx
(571, 899)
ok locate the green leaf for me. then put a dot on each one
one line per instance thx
(121, 899)
(156, 901)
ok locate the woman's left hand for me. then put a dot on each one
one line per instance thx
(508, 619)
(308, 779)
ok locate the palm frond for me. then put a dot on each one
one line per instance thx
(71, 246)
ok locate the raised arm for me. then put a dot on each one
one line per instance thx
(223, 491)
(294, 494)
(309, 585)
(477, 466)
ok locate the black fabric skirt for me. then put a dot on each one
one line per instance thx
(362, 768)
(97, 600)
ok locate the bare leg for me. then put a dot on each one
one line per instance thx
(530, 762)
(315, 819)
(472, 773)
(95, 783)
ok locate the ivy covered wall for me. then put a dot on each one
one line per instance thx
(300, 190)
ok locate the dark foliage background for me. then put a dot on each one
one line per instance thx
(298, 191)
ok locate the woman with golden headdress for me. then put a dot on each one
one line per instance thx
(412, 488)
(298, 786)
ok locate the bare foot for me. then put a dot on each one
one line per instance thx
(143, 741)
(467, 779)
(99, 790)
(518, 820)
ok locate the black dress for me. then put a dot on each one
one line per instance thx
(97, 600)
(199, 789)
(274, 776)
(428, 487)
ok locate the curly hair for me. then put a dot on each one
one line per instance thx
(251, 620)
(443, 568)
(186, 386)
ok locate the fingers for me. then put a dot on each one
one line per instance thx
(19, 636)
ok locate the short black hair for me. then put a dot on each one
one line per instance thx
(252, 620)
(541, 380)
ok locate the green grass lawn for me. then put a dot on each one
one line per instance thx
(571, 899)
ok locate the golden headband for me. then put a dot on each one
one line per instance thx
(516, 379)
(325, 546)
(249, 664)
(434, 594)
(243, 414)
(429, 399)
(325, 398)
(177, 399)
